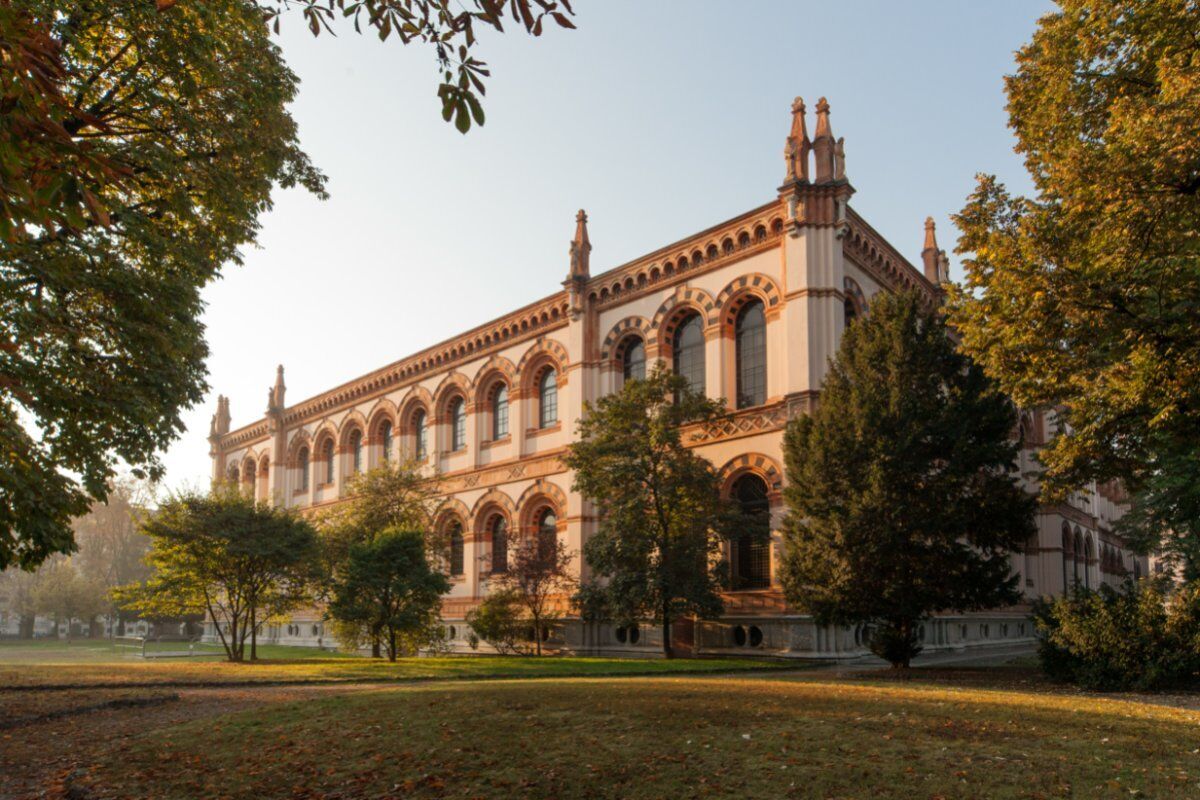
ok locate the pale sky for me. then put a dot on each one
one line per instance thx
(659, 118)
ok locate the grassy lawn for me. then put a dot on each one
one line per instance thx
(765, 736)
(95, 663)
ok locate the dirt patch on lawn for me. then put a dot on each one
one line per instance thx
(41, 758)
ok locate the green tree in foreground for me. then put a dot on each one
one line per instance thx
(238, 562)
(392, 496)
(662, 522)
(134, 163)
(902, 492)
(1084, 297)
(388, 588)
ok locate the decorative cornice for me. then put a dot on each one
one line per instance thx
(870, 251)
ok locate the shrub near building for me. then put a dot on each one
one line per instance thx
(1139, 637)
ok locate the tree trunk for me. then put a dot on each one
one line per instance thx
(392, 645)
(668, 651)
(254, 634)
(25, 627)
(537, 635)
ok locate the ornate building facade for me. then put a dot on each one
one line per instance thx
(751, 310)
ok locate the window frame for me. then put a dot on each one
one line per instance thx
(749, 347)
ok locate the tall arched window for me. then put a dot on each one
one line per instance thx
(752, 550)
(750, 345)
(458, 424)
(851, 311)
(547, 533)
(456, 549)
(250, 475)
(1079, 554)
(548, 399)
(385, 440)
(327, 457)
(356, 440)
(498, 527)
(688, 352)
(1068, 557)
(1088, 552)
(234, 476)
(302, 464)
(500, 411)
(420, 434)
(633, 360)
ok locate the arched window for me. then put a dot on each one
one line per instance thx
(234, 475)
(420, 434)
(1078, 554)
(458, 424)
(548, 399)
(1068, 556)
(851, 311)
(1087, 559)
(750, 345)
(251, 478)
(385, 440)
(752, 550)
(500, 411)
(327, 457)
(688, 352)
(356, 439)
(633, 360)
(302, 464)
(456, 549)
(547, 533)
(498, 527)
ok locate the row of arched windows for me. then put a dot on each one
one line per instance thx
(498, 409)
(688, 354)
(545, 529)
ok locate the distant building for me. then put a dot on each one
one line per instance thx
(750, 309)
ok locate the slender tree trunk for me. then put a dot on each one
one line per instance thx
(376, 643)
(537, 634)
(254, 634)
(391, 644)
(668, 651)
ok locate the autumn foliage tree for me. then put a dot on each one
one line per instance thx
(139, 143)
(902, 496)
(1084, 296)
(135, 161)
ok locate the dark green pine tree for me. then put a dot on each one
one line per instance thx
(902, 493)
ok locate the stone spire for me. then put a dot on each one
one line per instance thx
(219, 425)
(823, 145)
(278, 391)
(934, 260)
(798, 145)
(581, 250)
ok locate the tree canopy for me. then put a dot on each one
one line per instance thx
(902, 495)
(388, 588)
(662, 524)
(136, 165)
(238, 562)
(1084, 297)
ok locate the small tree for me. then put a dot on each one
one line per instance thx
(65, 595)
(902, 493)
(392, 496)
(662, 522)
(389, 588)
(537, 574)
(498, 620)
(239, 562)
